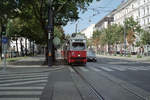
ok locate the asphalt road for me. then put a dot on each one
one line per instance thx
(106, 79)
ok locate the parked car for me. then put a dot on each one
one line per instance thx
(91, 56)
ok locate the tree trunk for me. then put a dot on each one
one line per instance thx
(17, 46)
(33, 48)
(1, 44)
(26, 46)
(30, 48)
(22, 54)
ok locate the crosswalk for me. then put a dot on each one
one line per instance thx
(22, 86)
(114, 68)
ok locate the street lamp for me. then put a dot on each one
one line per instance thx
(76, 29)
(50, 33)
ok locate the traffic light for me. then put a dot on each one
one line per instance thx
(3, 30)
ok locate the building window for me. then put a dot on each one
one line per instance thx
(148, 20)
(144, 21)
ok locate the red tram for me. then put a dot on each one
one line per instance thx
(74, 50)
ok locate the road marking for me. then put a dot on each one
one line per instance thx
(26, 79)
(17, 77)
(95, 69)
(6, 93)
(119, 68)
(23, 83)
(83, 69)
(106, 69)
(71, 69)
(23, 74)
(139, 68)
(20, 88)
(19, 99)
(133, 68)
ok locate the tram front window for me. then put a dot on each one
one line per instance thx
(78, 46)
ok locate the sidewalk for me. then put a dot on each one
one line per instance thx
(145, 59)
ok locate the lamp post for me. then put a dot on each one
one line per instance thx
(76, 29)
(50, 33)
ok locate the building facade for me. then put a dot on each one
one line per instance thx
(88, 32)
(138, 9)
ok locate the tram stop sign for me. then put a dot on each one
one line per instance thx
(4, 40)
(56, 41)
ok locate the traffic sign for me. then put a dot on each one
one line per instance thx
(4, 40)
(56, 41)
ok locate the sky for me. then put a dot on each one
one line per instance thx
(96, 11)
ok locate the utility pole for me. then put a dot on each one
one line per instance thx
(50, 33)
(76, 29)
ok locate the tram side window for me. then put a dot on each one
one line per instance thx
(78, 46)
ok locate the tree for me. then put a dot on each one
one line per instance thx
(145, 38)
(7, 10)
(132, 30)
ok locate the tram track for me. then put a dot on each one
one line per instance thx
(123, 84)
(90, 85)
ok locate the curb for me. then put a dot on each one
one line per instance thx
(144, 59)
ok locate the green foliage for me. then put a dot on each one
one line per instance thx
(139, 56)
(145, 38)
(131, 24)
(132, 29)
(111, 35)
(28, 19)
(58, 32)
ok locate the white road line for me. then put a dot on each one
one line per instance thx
(22, 83)
(133, 68)
(3, 93)
(15, 77)
(139, 68)
(23, 74)
(26, 79)
(84, 69)
(119, 68)
(71, 69)
(145, 68)
(106, 69)
(95, 69)
(20, 88)
(19, 99)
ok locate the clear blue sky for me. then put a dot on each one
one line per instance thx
(101, 8)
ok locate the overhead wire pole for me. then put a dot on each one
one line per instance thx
(50, 33)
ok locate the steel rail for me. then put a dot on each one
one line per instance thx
(96, 93)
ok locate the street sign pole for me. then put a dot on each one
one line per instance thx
(5, 65)
(4, 43)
